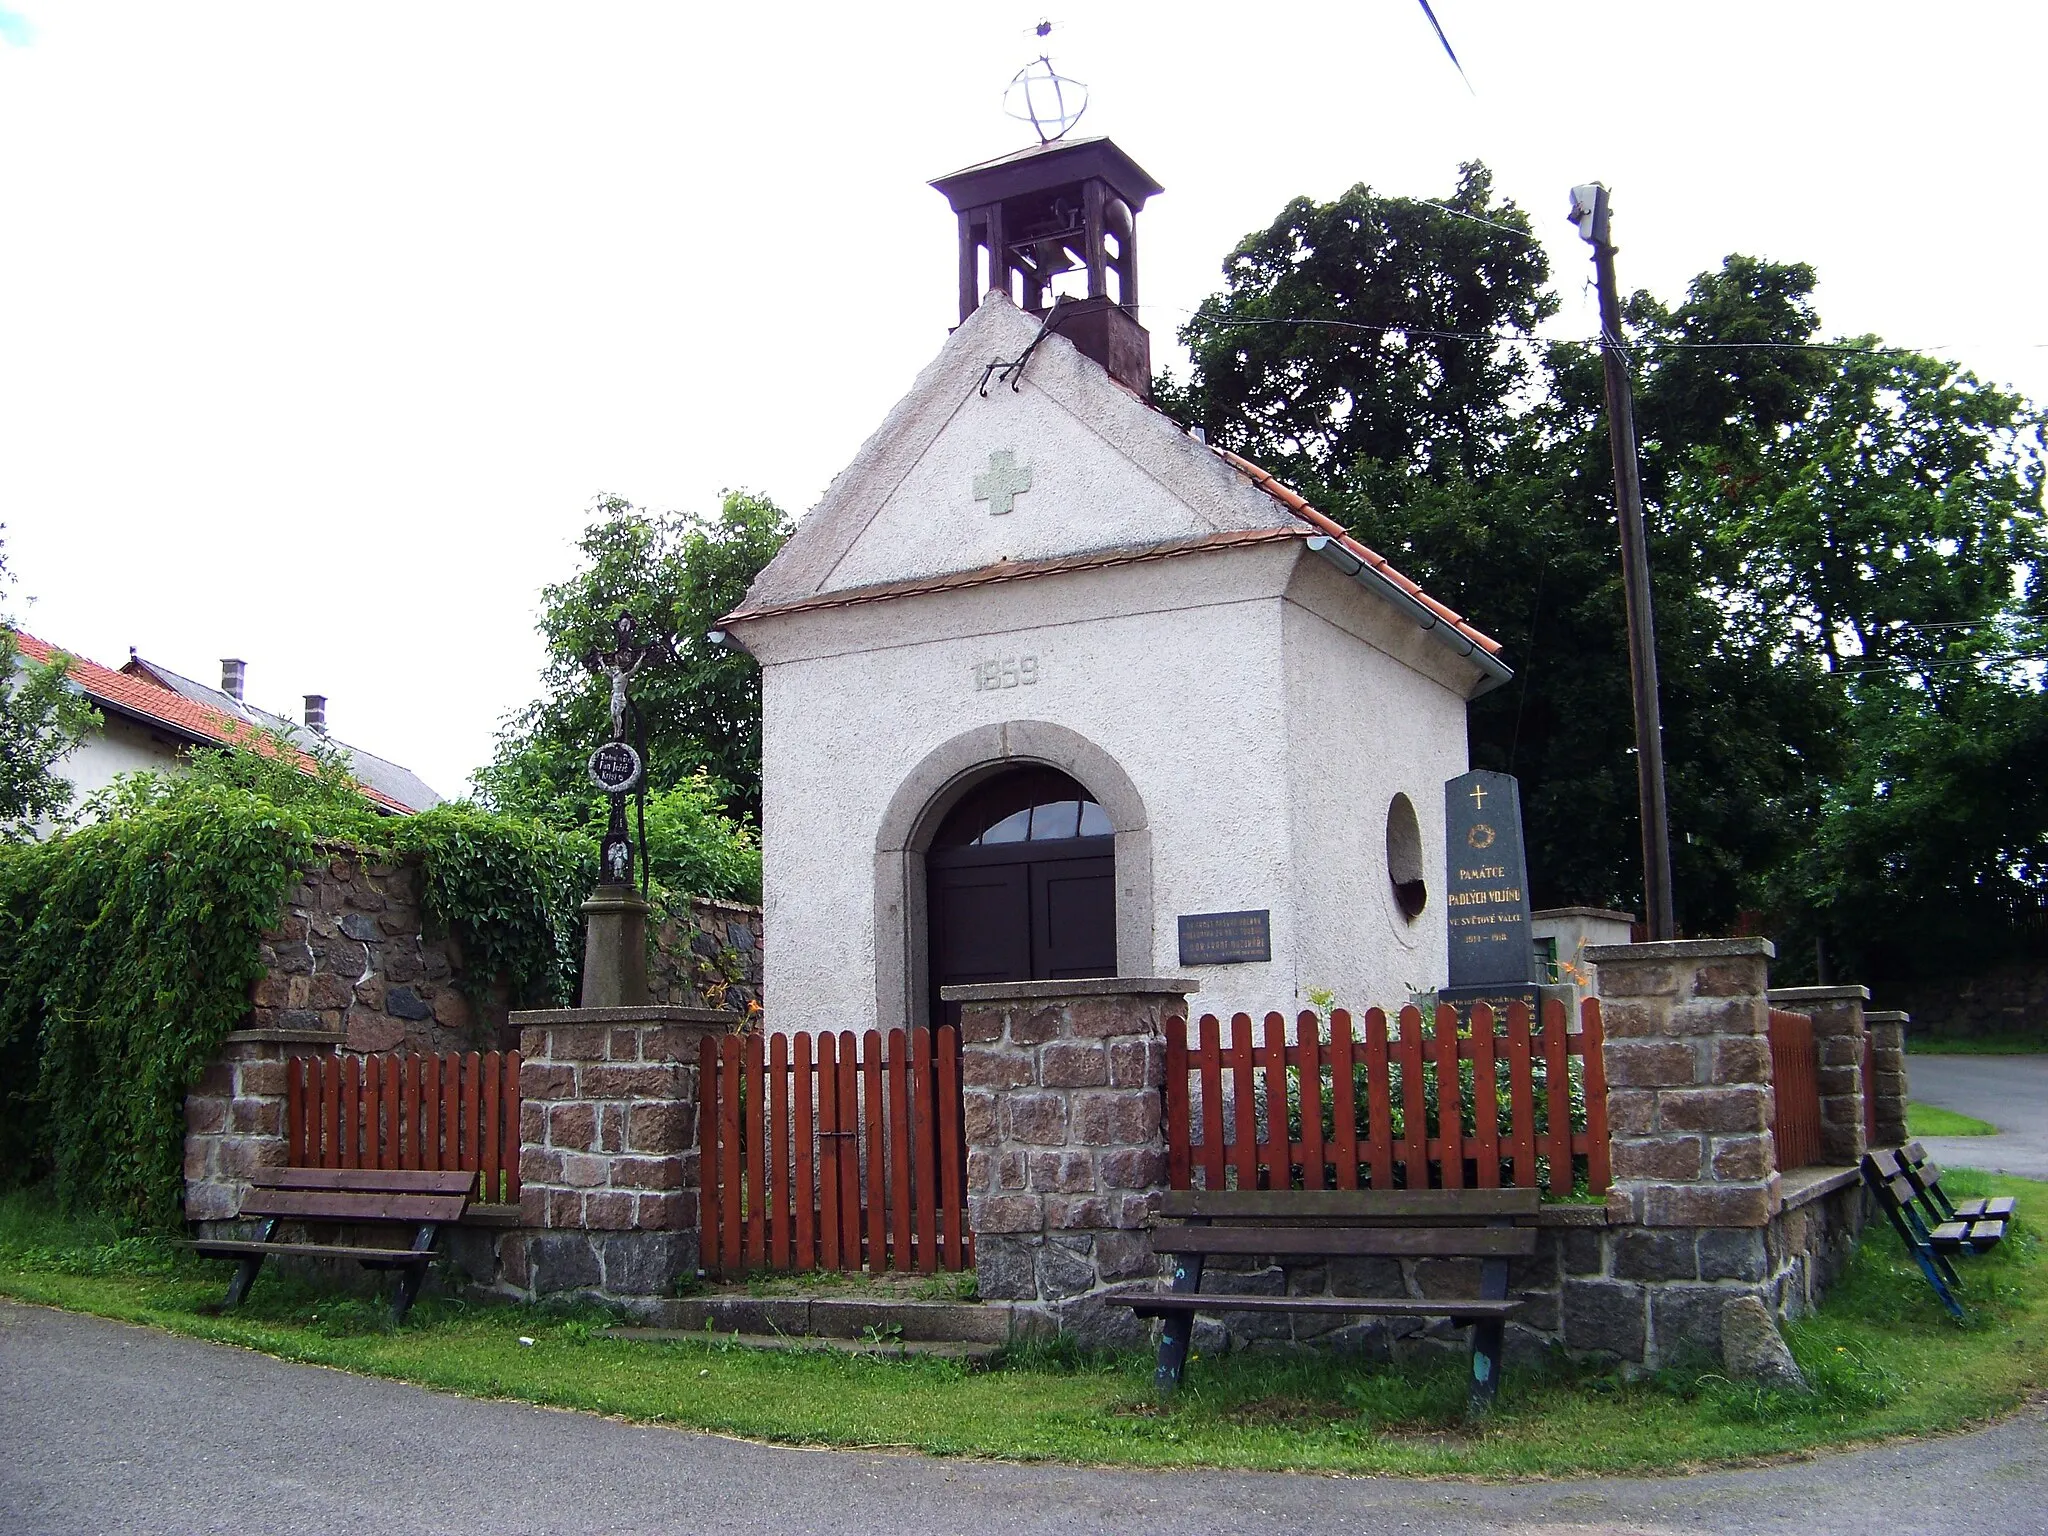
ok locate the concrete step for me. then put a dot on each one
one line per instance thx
(882, 1348)
(850, 1317)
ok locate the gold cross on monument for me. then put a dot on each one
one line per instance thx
(1479, 796)
(1004, 481)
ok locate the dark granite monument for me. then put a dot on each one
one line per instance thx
(1486, 892)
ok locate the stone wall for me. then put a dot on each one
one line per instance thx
(1887, 1031)
(1838, 1036)
(234, 1118)
(353, 960)
(1066, 1143)
(2007, 1000)
(356, 959)
(709, 957)
(608, 1163)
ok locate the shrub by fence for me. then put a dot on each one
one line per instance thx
(397, 1110)
(853, 1159)
(1447, 1107)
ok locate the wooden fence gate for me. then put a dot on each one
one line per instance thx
(1366, 1108)
(1795, 1081)
(847, 1160)
(398, 1110)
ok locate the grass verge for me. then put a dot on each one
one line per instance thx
(1933, 1120)
(1979, 1045)
(1881, 1356)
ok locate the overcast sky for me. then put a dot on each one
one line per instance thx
(324, 322)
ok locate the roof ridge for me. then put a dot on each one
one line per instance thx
(167, 706)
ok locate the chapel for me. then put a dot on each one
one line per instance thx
(1054, 689)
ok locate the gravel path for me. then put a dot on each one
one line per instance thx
(112, 1428)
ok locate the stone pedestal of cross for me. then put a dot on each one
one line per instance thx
(1002, 482)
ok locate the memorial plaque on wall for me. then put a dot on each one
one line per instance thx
(1225, 938)
(1486, 884)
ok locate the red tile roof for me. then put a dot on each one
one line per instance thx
(1292, 499)
(198, 722)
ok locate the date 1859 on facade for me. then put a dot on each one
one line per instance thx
(1005, 672)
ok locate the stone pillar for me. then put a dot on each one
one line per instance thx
(1838, 1029)
(1888, 1072)
(608, 1150)
(234, 1116)
(1064, 1116)
(1689, 1111)
(614, 948)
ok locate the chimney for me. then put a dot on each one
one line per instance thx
(231, 674)
(1040, 220)
(316, 713)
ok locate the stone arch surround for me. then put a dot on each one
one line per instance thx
(934, 787)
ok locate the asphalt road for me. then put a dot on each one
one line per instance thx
(2009, 1091)
(105, 1427)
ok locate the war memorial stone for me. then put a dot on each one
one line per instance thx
(1486, 892)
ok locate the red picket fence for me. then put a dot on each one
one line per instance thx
(1795, 1077)
(398, 1110)
(1364, 1109)
(853, 1160)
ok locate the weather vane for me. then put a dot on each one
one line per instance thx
(1043, 97)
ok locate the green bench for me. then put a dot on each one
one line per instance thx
(1982, 1223)
(336, 1199)
(1490, 1225)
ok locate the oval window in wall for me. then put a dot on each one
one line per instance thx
(1404, 858)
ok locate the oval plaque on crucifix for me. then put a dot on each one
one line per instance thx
(615, 768)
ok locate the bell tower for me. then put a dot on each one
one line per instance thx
(1056, 224)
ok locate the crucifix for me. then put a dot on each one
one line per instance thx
(615, 767)
(1479, 797)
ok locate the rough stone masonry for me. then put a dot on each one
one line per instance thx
(1066, 1140)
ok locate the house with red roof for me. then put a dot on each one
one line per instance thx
(151, 717)
(1052, 688)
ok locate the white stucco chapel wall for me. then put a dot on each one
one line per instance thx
(1257, 708)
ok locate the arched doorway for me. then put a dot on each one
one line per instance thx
(1021, 885)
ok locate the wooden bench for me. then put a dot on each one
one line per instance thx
(1897, 1198)
(1491, 1225)
(1984, 1221)
(345, 1197)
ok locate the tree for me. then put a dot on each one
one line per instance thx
(42, 717)
(1896, 534)
(1370, 330)
(702, 715)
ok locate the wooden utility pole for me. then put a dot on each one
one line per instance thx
(1589, 212)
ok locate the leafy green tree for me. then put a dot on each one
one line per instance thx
(1370, 329)
(701, 715)
(42, 717)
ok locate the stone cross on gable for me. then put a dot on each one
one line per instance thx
(1003, 482)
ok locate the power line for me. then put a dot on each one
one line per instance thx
(1518, 338)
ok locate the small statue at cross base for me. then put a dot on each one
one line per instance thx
(615, 767)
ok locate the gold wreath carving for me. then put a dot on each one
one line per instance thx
(1481, 835)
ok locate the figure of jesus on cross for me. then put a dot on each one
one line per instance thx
(616, 767)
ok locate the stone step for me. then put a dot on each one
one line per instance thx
(850, 1317)
(880, 1348)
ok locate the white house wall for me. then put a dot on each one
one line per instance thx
(1177, 687)
(1362, 726)
(118, 746)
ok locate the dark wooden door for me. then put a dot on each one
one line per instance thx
(1020, 912)
(981, 923)
(1073, 918)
